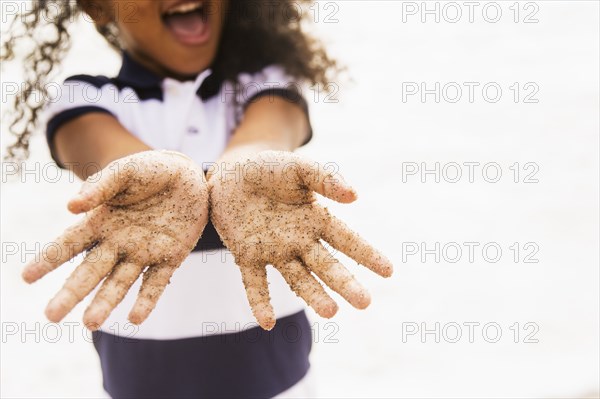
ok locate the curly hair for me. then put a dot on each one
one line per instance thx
(272, 33)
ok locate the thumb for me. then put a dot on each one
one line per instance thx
(325, 180)
(103, 185)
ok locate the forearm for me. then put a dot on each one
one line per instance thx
(90, 142)
(269, 124)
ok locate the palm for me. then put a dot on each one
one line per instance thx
(266, 213)
(145, 214)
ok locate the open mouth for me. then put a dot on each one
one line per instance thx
(188, 21)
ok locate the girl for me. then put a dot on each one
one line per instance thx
(203, 85)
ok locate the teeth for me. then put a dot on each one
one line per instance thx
(184, 8)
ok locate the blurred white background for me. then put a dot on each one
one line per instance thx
(374, 134)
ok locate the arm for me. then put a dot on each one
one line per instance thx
(269, 124)
(94, 138)
(270, 215)
(98, 138)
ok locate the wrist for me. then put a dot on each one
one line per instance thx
(234, 156)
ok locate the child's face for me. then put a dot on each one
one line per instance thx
(171, 37)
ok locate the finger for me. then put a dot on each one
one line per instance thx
(111, 293)
(306, 286)
(154, 282)
(336, 276)
(325, 180)
(257, 291)
(342, 238)
(96, 265)
(71, 243)
(101, 186)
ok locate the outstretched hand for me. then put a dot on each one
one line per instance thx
(145, 213)
(265, 211)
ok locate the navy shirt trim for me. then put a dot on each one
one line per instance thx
(252, 363)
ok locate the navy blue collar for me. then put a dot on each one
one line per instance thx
(148, 84)
(135, 75)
